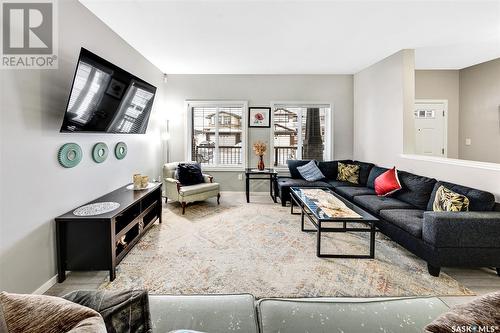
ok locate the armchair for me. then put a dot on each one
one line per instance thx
(175, 191)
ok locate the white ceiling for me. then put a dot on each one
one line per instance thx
(302, 37)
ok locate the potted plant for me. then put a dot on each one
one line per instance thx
(260, 148)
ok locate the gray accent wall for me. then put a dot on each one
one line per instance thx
(34, 187)
(258, 90)
(442, 84)
(480, 112)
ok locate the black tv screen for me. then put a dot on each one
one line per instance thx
(105, 98)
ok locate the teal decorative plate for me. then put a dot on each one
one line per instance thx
(70, 154)
(100, 152)
(121, 150)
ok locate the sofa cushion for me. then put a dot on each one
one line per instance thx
(478, 200)
(375, 203)
(310, 171)
(410, 220)
(330, 168)
(338, 183)
(374, 173)
(480, 315)
(293, 165)
(40, 313)
(416, 189)
(350, 192)
(206, 313)
(327, 314)
(348, 173)
(364, 171)
(448, 201)
(198, 188)
(387, 183)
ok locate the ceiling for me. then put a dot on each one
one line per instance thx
(302, 37)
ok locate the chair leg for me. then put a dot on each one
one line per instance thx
(218, 198)
(433, 270)
(166, 200)
(183, 204)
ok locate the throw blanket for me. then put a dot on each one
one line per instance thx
(123, 312)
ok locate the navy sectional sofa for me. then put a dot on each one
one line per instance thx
(461, 239)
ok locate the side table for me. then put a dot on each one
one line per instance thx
(266, 174)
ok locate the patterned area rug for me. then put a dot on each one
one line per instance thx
(258, 248)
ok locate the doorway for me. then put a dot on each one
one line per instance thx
(430, 119)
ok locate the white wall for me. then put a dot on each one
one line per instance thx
(259, 90)
(382, 95)
(34, 188)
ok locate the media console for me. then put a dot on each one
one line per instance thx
(100, 242)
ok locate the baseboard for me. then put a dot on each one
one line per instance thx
(46, 286)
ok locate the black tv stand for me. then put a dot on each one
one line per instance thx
(100, 242)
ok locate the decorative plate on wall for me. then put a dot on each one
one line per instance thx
(70, 154)
(121, 150)
(100, 152)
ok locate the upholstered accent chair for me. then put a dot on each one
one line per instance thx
(175, 191)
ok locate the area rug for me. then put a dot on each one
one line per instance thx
(258, 248)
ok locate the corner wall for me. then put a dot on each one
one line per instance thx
(35, 188)
(383, 94)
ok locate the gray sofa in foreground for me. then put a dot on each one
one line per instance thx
(242, 313)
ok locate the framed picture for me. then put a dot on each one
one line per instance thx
(259, 116)
(116, 88)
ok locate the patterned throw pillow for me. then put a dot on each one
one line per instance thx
(310, 172)
(448, 201)
(348, 173)
(47, 314)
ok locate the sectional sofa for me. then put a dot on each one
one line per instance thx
(461, 239)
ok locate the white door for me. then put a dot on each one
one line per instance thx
(430, 128)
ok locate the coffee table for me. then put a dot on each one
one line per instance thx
(321, 205)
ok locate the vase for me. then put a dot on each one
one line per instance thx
(261, 165)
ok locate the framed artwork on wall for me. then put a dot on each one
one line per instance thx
(259, 116)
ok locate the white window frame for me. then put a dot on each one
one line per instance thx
(189, 104)
(329, 133)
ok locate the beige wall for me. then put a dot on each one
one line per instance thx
(382, 95)
(34, 187)
(259, 90)
(442, 84)
(480, 112)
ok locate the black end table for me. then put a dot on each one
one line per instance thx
(266, 174)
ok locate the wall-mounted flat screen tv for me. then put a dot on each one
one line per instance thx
(105, 98)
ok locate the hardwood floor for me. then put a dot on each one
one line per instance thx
(480, 281)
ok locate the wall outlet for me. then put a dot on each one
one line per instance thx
(240, 176)
(468, 141)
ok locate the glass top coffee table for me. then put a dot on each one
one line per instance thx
(323, 206)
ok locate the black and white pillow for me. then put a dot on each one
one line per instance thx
(310, 171)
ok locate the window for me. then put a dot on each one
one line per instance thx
(301, 132)
(218, 133)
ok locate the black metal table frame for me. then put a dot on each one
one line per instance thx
(271, 176)
(319, 229)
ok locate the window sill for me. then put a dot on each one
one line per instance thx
(223, 169)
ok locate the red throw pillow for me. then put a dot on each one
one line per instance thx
(387, 183)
